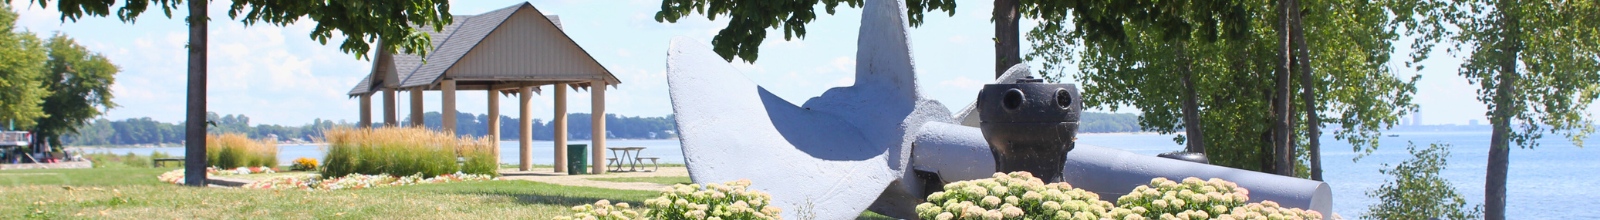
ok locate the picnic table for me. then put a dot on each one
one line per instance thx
(631, 157)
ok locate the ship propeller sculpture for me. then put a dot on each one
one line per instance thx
(880, 145)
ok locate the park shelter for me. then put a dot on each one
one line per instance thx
(510, 51)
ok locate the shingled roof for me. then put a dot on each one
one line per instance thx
(502, 42)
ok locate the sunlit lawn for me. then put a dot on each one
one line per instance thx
(664, 180)
(134, 193)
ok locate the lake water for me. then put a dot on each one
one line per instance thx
(1554, 181)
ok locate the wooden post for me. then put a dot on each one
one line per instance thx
(526, 123)
(390, 117)
(494, 123)
(366, 111)
(447, 112)
(598, 123)
(416, 107)
(560, 126)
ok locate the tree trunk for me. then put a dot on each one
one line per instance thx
(1191, 107)
(194, 167)
(1007, 50)
(1494, 189)
(1283, 154)
(1307, 93)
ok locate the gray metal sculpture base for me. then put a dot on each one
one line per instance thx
(863, 146)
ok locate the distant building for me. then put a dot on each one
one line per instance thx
(1473, 122)
(1416, 118)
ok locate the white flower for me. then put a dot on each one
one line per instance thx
(991, 201)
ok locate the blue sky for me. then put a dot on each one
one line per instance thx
(279, 75)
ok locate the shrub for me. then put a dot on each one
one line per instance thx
(1017, 195)
(602, 210)
(1199, 199)
(1192, 197)
(1417, 191)
(404, 151)
(303, 164)
(731, 200)
(233, 150)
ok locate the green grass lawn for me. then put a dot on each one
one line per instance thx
(134, 193)
(664, 180)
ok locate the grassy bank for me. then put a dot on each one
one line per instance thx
(664, 180)
(133, 193)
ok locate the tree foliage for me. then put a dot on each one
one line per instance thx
(391, 23)
(1095, 19)
(1538, 68)
(22, 60)
(1349, 42)
(1417, 191)
(80, 82)
(749, 20)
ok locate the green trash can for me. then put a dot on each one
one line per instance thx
(577, 159)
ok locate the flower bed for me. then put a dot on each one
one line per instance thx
(731, 200)
(1012, 196)
(1019, 195)
(316, 182)
(176, 176)
(359, 181)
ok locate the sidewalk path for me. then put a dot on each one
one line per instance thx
(545, 175)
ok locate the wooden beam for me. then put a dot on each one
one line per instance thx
(525, 93)
(416, 107)
(598, 125)
(447, 111)
(366, 111)
(390, 116)
(494, 124)
(560, 126)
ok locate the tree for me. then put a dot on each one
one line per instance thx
(1349, 43)
(81, 84)
(389, 24)
(1094, 19)
(749, 20)
(1537, 69)
(1417, 191)
(23, 63)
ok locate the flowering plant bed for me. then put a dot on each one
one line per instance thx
(731, 200)
(176, 176)
(316, 182)
(359, 181)
(1019, 195)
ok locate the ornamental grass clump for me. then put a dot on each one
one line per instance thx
(404, 151)
(233, 150)
(1017, 195)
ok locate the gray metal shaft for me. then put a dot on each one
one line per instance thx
(958, 153)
